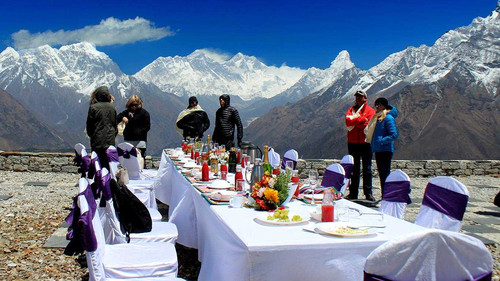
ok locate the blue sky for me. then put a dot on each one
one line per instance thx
(296, 33)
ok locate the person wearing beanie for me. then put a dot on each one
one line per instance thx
(226, 118)
(382, 132)
(101, 123)
(356, 119)
(193, 121)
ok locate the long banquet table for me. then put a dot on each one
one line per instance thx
(233, 245)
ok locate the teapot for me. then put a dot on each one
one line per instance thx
(252, 150)
(256, 174)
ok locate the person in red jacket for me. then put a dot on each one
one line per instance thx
(356, 120)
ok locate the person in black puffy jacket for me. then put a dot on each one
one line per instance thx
(226, 118)
(137, 123)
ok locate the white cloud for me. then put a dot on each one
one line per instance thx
(110, 31)
(216, 55)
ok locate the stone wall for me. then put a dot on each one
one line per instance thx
(63, 162)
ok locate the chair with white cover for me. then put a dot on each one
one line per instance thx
(120, 261)
(347, 162)
(83, 161)
(444, 203)
(333, 176)
(274, 157)
(430, 255)
(160, 232)
(128, 158)
(290, 155)
(143, 189)
(396, 194)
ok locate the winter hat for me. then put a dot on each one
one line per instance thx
(193, 99)
(384, 102)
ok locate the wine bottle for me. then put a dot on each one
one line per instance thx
(266, 166)
(231, 163)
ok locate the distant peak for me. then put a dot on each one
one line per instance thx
(343, 60)
(498, 6)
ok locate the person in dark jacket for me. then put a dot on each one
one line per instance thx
(226, 118)
(101, 123)
(137, 124)
(193, 121)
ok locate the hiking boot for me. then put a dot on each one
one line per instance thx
(370, 197)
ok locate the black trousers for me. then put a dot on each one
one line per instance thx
(383, 160)
(103, 158)
(361, 152)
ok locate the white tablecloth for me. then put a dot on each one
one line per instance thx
(234, 246)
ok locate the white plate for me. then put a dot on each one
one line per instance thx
(186, 160)
(186, 172)
(318, 197)
(219, 184)
(263, 218)
(190, 165)
(335, 229)
(222, 195)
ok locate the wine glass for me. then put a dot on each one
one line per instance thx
(289, 165)
(313, 181)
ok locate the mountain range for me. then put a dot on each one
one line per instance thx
(446, 92)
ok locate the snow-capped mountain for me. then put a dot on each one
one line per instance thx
(200, 74)
(79, 67)
(475, 47)
(314, 79)
(446, 92)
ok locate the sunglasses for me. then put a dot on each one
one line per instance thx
(134, 104)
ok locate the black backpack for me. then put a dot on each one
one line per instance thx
(133, 215)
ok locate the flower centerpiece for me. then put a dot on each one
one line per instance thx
(271, 191)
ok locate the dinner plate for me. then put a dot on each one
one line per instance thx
(186, 172)
(342, 229)
(186, 160)
(219, 184)
(222, 195)
(190, 165)
(263, 218)
(318, 197)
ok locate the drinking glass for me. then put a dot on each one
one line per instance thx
(313, 181)
(289, 165)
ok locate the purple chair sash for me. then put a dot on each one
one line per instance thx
(283, 162)
(78, 159)
(126, 154)
(83, 227)
(397, 191)
(91, 171)
(331, 178)
(85, 166)
(112, 155)
(106, 189)
(348, 169)
(443, 200)
(373, 277)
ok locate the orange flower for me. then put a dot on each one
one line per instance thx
(271, 195)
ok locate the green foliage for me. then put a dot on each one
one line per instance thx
(281, 185)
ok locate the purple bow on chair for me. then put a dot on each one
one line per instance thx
(82, 223)
(331, 178)
(126, 154)
(348, 169)
(446, 201)
(113, 155)
(397, 191)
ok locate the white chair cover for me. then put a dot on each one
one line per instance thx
(125, 260)
(430, 255)
(347, 162)
(143, 189)
(274, 157)
(292, 155)
(333, 176)
(444, 204)
(128, 158)
(160, 232)
(397, 189)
